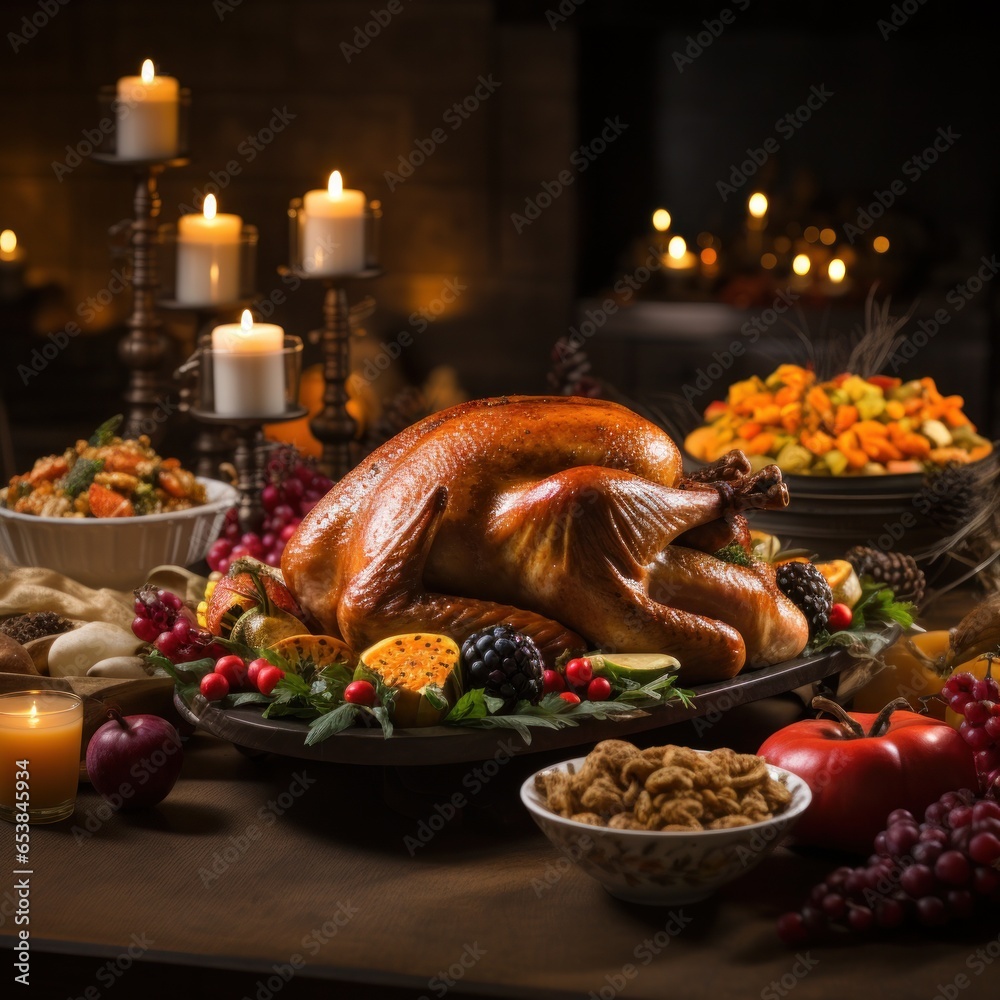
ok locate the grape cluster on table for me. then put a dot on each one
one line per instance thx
(162, 619)
(978, 699)
(926, 873)
(294, 487)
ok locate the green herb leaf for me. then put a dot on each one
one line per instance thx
(435, 696)
(250, 698)
(81, 475)
(469, 706)
(735, 554)
(106, 432)
(331, 723)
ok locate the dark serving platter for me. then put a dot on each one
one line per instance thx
(245, 727)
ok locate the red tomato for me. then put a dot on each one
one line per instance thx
(857, 779)
(268, 677)
(233, 668)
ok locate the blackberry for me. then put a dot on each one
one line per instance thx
(505, 663)
(806, 587)
(894, 569)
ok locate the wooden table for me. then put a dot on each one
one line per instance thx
(254, 872)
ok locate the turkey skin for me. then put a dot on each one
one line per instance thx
(568, 518)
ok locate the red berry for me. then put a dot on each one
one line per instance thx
(599, 689)
(214, 687)
(579, 671)
(254, 667)
(361, 693)
(233, 668)
(841, 617)
(552, 680)
(268, 677)
(573, 699)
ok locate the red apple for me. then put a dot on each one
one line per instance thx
(133, 761)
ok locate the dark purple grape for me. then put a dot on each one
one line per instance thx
(900, 837)
(792, 930)
(986, 809)
(168, 644)
(931, 911)
(927, 852)
(889, 913)
(977, 712)
(834, 905)
(900, 816)
(960, 816)
(953, 868)
(984, 848)
(860, 919)
(918, 880)
(145, 629)
(986, 689)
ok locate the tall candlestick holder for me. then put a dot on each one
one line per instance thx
(251, 448)
(333, 426)
(143, 350)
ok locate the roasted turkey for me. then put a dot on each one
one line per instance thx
(569, 518)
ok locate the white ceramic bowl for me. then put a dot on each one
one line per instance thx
(664, 869)
(116, 552)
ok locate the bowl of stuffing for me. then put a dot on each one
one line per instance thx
(666, 825)
(107, 510)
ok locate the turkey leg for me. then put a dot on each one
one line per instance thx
(387, 595)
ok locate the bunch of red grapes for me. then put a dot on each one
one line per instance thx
(929, 874)
(162, 619)
(294, 486)
(978, 699)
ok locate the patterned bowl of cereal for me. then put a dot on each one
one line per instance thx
(667, 825)
(116, 552)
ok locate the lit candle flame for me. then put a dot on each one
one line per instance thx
(211, 206)
(148, 72)
(837, 269)
(8, 241)
(801, 264)
(757, 205)
(661, 220)
(336, 185)
(677, 247)
(246, 321)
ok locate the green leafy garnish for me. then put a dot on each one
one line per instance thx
(877, 606)
(735, 554)
(81, 475)
(106, 432)
(475, 708)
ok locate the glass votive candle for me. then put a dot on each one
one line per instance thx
(332, 246)
(40, 739)
(248, 371)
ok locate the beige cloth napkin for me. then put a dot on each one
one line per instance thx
(24, 589)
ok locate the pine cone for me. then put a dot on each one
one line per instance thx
(405, 408)
(570, 373)
(894, 569)
(950, 498)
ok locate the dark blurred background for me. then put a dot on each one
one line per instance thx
(522, 224)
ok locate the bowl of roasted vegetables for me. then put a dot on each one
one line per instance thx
(874, 460)
(108, 509)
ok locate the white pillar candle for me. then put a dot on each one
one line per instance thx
(248, 368)
(147, 116)
(208, 257)
(333, 233)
